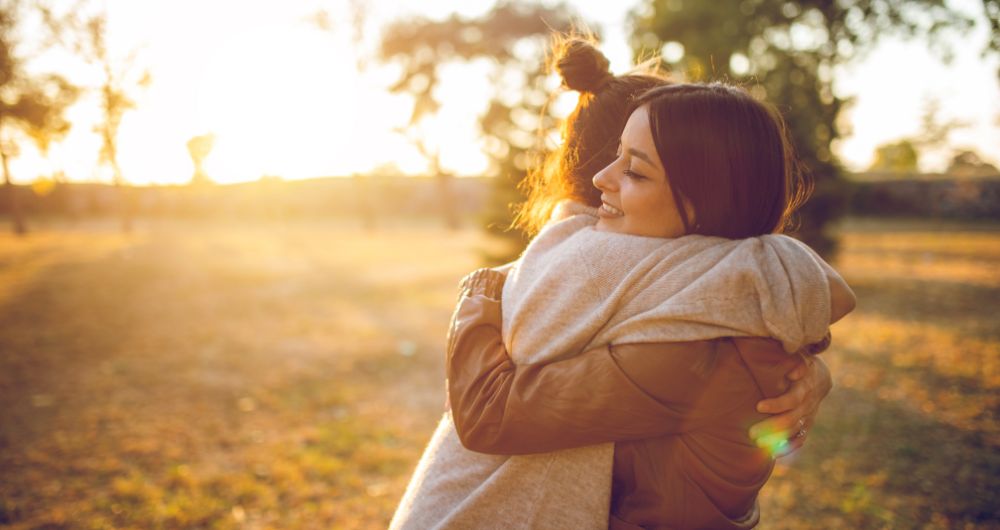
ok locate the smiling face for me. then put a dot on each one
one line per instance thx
(635, 194)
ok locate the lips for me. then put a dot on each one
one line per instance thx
(609, 210)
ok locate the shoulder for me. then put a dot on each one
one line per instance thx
(767, 363)
(756, 346)
(784, 245)
(651, 364)
(709, 375)
(745, 346)
(568, 208)
(691, 347)
(653, 356)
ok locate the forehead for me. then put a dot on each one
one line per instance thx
(637, 138)
(637, 127)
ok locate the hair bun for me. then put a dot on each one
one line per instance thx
(582, 66)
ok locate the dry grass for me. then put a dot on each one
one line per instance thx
(219, 376)
(909, 437)
(265, 376)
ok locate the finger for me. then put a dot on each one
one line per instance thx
(800, 371)
(779, 445)
(807, 422)
(792, 442)
(803, 393)
(792, 446)
(775, 444)
(797, 438)
(783, 403)
(780, 424)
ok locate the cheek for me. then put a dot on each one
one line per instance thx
(657, 211)
(640, 205)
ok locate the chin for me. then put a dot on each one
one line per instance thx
(603, 225)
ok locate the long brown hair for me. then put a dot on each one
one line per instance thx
(728, 156)
(590, 135)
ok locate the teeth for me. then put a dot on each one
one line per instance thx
(611, 209)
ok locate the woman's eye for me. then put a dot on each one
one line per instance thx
(633, 175)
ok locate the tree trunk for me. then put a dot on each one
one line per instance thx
(13, 205)
(124, 195)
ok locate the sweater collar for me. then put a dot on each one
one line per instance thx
(567, 208)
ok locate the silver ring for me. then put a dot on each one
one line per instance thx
(802, 423)
(801, 433)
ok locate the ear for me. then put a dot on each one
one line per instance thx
(692, 220)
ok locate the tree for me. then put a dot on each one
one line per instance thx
(199, 148)
(359, 20)
(967, 163)
(896, 157)
(117, 87)
(514, 36)
(903, 156)
(31, 105)
(786, 51)
(934, 131)
(87, 36)
(991, 8)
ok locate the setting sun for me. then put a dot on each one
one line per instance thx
(283, 96)
(284, 104)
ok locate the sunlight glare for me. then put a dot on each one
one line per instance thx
(284, 105)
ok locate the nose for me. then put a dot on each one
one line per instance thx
(604, 179)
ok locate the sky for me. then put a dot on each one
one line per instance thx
(282, 96)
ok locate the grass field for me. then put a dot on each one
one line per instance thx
(288, 376)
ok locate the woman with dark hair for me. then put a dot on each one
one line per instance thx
(620, 285)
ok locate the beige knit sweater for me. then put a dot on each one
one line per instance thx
(576, 288)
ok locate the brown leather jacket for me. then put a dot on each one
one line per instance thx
(678, 413)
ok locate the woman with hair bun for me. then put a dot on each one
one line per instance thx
(635, 323)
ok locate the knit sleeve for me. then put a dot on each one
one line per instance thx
(607, 394)
(793, 291)
(486, 282)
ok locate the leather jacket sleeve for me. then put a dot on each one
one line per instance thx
(608, 394)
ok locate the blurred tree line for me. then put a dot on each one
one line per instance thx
(785, 51)
(512, 37)
(33, 105)
(901, 158)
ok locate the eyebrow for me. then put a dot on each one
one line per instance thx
(642, 156)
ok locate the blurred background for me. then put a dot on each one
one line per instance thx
(232, 234)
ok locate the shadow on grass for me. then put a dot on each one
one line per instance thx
(933, 302)
(872, 463)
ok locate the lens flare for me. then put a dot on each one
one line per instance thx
(775, 443)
